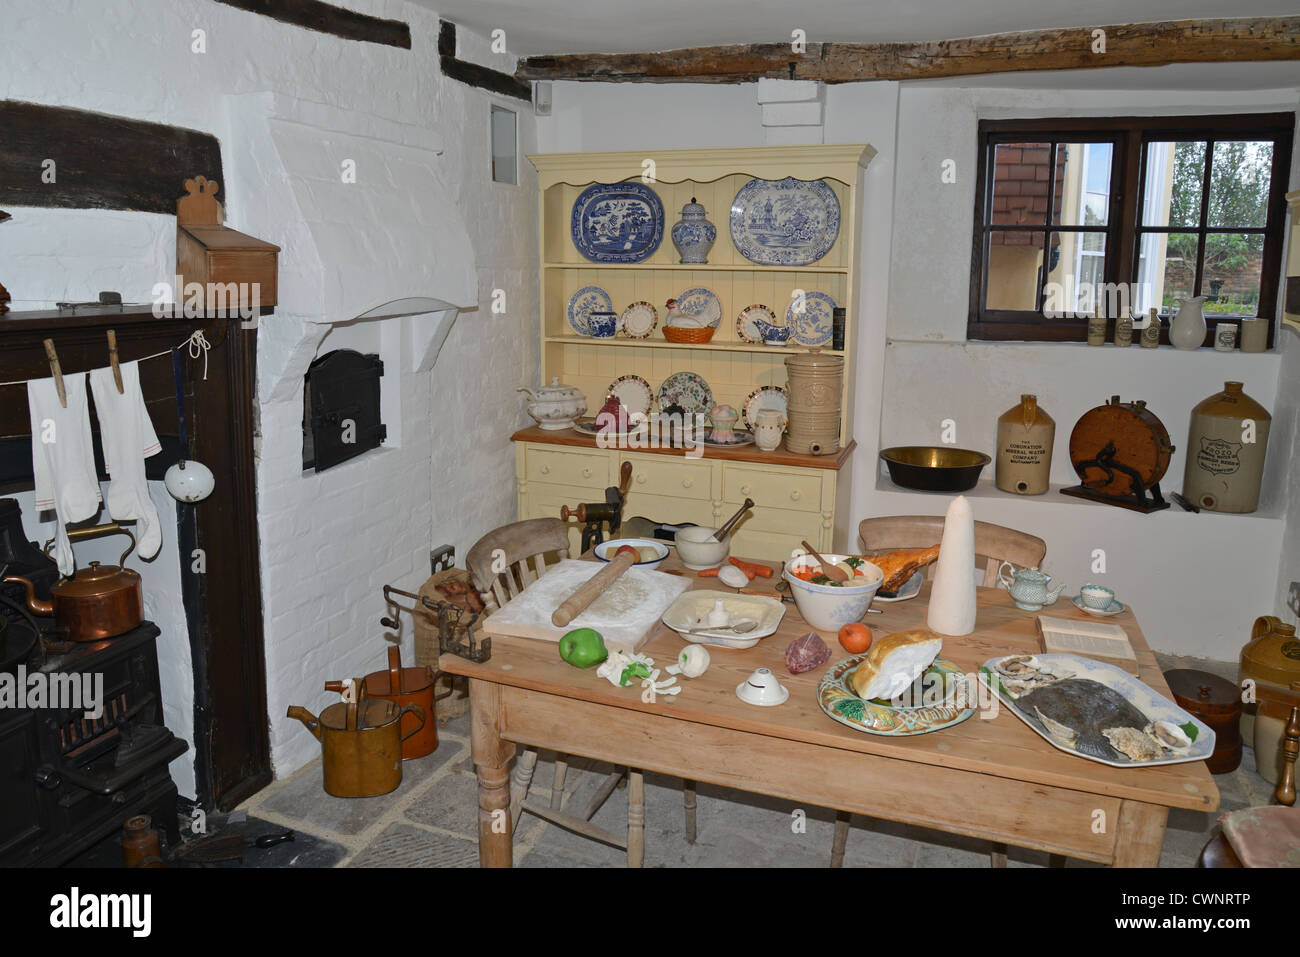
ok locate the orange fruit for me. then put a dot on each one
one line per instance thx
(855, 638)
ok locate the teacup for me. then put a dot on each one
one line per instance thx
(1096, 597)
(602, 324)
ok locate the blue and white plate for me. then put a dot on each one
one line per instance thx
(585, 301)
(785, 222)
(617, 222)
(813, 326)
(701, 302)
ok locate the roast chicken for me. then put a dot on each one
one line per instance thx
(901, 565)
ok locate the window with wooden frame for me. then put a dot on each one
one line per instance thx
(1124, 214)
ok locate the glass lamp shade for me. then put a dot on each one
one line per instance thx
(189, 481)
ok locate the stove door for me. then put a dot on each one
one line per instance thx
(23, 811)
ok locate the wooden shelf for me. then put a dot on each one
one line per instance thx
(745, 453)
(659, 343)
(701, 267)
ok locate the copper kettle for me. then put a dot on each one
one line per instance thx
(98, 601)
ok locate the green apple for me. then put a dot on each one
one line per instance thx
(583, 647)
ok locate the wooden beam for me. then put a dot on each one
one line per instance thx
(1141, 44)
(473, 74)
(327, 18)
(61, 157)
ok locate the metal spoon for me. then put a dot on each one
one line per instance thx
(829, 570)
(740, 627)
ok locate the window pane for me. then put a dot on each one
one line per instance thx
(1014, 263)
(1232, 269)
(1175, 176)
(1173, 270)
(1239, 183)
(504, 162)
(1076, 270)
(1083, 186)
(1021, 173)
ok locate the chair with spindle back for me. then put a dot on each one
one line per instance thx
(498, 565)
(994, 544)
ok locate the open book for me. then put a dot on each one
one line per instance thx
(1099, 640)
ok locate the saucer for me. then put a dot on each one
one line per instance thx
(1114, 608)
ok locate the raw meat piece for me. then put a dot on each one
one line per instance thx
(806, 653)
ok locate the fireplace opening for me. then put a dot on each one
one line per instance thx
(341, 415)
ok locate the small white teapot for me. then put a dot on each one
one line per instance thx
(1028, 587)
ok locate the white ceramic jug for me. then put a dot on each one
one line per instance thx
(769, 424)
(1187, 331)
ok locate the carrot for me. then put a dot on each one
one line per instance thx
(709, 573)
(750, 569)
(807, 574)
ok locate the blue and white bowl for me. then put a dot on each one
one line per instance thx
(605, 550)
(829, 607)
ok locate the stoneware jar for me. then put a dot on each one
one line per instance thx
(769, 426)
(1025, 437)
(1271, 658)
(555, 406)
(813, 408)
(693, 234)
(1225, 451)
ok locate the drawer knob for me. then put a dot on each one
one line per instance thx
(745, 490)
(586, 473)
(688, 482)
(545, 470)
(640, 478)
(795, 495)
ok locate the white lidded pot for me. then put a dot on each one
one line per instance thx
(555, 406)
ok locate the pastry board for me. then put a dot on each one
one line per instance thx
(626, 614)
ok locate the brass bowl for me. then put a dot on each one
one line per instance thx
(934, 468)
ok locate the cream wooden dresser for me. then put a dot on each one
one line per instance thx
(796, 495)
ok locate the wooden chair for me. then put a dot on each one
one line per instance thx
(994, 544)
(498, 565)
(1218, 852)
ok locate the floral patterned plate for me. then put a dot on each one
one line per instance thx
(953, 701)
(634, 392)
(745, 328)
(764, 397)
(639, 320)
(701, 303)
(811, 326)
(688, 390)
(785, 222)
(587, 300)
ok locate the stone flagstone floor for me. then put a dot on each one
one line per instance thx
(431, 820)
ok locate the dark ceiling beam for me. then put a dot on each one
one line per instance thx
(472, 73)
(327, 18)
(1140, 44)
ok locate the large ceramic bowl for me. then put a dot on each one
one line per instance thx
(605, 550)
(829, 607)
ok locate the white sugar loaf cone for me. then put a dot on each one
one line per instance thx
(952, 597)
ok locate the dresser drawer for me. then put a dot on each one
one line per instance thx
(586, 469)
(665, 475)
(669, 509)
(771, 489)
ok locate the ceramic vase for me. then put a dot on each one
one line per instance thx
(952, 597)
(693, 234)
(769, 425)
(1187, 331)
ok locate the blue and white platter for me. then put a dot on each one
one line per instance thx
(701, 303)
(785, 222)
(812, 326)
(617, 222)
(585, 301)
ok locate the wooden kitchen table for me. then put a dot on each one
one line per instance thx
(990, 778)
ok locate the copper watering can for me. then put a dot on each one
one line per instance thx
(361, 741)
(410, 686)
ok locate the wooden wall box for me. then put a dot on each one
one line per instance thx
(217, 254)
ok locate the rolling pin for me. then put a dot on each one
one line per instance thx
(590, 590)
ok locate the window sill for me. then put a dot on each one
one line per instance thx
(1109, 350)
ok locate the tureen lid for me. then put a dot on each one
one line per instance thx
(555, 390)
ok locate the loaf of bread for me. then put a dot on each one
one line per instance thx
(894, 662)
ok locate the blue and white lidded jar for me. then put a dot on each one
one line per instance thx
(693, 234)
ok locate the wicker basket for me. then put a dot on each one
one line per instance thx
(689, 335)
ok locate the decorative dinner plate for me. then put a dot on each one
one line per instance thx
(785, 222)
(911, 588)
(812, 326)
(639, 320)
(634, 392)
(688, 390)
(617, 222)
(702, 304)
(742, 437)
(764, 397)
(745, 327)
(953, 701)
(1155, 706)
(585, 301)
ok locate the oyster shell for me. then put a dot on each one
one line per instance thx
(1170, 736)
(1137, 745)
